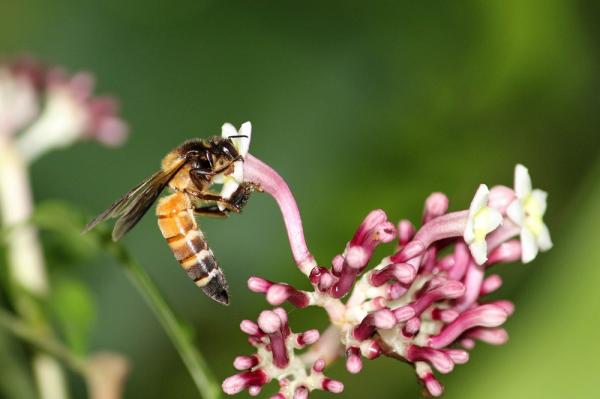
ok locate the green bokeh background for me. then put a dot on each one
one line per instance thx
(359, 105)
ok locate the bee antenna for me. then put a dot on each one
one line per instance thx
(238, 136)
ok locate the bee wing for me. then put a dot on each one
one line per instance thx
(134, 204)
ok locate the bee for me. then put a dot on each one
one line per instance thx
(188, 171)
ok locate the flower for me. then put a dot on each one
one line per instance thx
(419, 304)
(44, 108)
(527, 211)
(71, 113)
(275, 359)
(242, 144)
(17, 101)
(482, 221)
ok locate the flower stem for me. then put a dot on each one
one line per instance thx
(25, 261)
(42, 341)
(272, 183)
(197, 367)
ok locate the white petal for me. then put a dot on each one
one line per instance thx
(522, 181)
(540, 197)
(228, 130)
(529, 246)
(469, 234)
(544, 241)
(480, 199)
(229, 188)
(516, 213)
(238, 172)
(243, 143)
(487, 220)
(479, 251)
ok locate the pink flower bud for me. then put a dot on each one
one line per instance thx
(402, 272)
(245, 362)
(483, 316)
(259, 285)
(353, 360)
(406, 232)
(332, 386)
(279, 293)
(490, 284)
(435, 205)
(239, 382)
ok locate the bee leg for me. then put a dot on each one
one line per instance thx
(237, 200)
(210, 211)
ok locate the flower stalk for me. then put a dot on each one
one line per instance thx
(195, 363)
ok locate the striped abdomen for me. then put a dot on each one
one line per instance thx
(178, 225)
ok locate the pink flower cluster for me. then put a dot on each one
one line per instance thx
(424, 304)
(47, 108)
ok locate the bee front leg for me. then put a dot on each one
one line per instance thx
(235, 203)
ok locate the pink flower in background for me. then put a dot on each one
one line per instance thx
(45, 108)
(425, 303)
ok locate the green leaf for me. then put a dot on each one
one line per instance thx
(62, 225)
(74, 309)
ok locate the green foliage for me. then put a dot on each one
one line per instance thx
(63, 242)
(73, 307)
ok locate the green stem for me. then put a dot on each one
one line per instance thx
(197, 367)
(42, 341)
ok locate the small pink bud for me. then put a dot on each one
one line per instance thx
(332, 386)
(490, 284)
(279, 293)
(245, 362)
(506, 252)
(308, 337)
(406, 232)
(432, 385)
(258, 285)
(353, 360)
(357, 257)
(239, 382)
(337, 264)
(249, 327)
(435, 205)
(269, 321)
(319, 366)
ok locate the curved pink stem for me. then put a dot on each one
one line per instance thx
(272, 183)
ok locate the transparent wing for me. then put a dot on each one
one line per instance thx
(134, 204)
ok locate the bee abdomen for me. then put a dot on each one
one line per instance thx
(178, 226)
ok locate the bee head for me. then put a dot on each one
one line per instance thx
(212, 156)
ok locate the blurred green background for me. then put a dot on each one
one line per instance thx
(359, 105)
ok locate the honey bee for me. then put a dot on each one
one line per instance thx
(189, 171)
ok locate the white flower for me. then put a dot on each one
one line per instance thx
(482, 221)
(242, 144)
(527, 211)
(18, 102)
